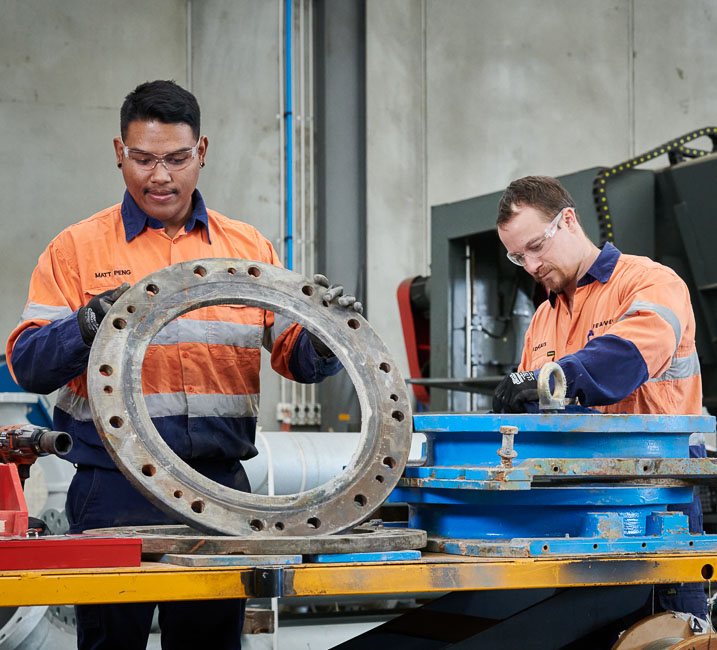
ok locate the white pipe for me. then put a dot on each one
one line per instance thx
(290, 462)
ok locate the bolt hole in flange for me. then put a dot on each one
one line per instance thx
(366, 480)
(707, 571)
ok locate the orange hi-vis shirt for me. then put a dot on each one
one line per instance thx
(629, 344)
(200, 375)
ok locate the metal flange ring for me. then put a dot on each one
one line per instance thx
(120, 414)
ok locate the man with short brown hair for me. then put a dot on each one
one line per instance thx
(620, 326)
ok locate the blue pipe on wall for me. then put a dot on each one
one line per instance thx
(289, 142)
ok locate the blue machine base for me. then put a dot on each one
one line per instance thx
(665, 531)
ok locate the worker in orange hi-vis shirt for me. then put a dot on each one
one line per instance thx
(201, 372)
(620, 326)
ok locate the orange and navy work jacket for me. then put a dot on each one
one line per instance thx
(629, 344)
(200, 375)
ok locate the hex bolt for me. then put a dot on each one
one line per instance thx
(506, 452)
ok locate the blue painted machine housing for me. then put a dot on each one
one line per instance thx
(581, 483)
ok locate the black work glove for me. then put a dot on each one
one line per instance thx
(90, 316)
(334, 292)
(515, 389)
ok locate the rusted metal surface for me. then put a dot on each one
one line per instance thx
(184, 540)
(609, 541)
(121, 417)
(507, 452)
(554, 401)
(563, 471)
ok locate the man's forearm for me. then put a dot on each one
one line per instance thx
(605, 371)
(46, 358)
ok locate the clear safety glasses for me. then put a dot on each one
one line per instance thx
(172, 162)
(538, 247)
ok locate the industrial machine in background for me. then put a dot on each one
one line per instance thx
(477, 305)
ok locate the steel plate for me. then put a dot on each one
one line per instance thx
(185, 540)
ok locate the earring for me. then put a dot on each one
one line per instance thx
(201, 164)
(119, 165)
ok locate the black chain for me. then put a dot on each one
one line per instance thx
(676, 151)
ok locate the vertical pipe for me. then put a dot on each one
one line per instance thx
(301, 265)
(631, 78)
(469, 314)
(425, 209)
(289, 261)
(282, 161)
(301, 118)
(190, 79)
(312, 174)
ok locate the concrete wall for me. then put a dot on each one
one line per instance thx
(463, 96)
(66, 67)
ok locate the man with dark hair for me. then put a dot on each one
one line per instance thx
(200, 376)
(620, 326)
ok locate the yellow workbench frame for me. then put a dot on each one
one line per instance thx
(434, 572)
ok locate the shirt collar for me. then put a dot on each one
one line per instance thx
(135, 219)
(600, 271)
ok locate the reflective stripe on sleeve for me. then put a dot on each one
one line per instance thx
(680, 368)
(78, 408)
(281, 324)
(663, 312)
(52, 313)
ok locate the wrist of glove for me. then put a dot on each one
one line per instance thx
(90, 316)
(514, 391)
(321, 348)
